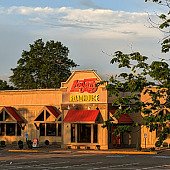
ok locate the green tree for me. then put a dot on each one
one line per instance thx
(136, 74)
(45, 65)
(4, 85)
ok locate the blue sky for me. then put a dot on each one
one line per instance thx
(86, 27)
(130, 5)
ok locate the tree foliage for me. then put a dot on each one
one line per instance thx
(4, 85)
(136, 75)
(45, 65)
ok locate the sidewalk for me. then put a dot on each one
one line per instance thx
(54, 149)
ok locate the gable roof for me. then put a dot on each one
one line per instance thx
(52, 110)
(123, 119)
(12, 111)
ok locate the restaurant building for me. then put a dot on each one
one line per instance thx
(71, 116)
(149, 138)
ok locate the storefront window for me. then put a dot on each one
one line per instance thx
(1, 116)
(10, 129)
(84, 133)
(72, 132)
(18, 130)
(95, 133)
(59, 129)
(50, 129)
(42, 129)
(7, 117)
(2, 129)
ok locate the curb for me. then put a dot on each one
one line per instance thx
(81, 152)
(120, 152)
(27, 151)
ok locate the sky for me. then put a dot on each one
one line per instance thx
(91, 29)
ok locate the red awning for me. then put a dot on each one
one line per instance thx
(123, 119)
(75, 116)
(53, 111)
(11, 111)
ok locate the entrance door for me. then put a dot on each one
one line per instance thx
(84, 133)
(114, 141)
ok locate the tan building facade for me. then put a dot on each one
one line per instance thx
(72, 115)
(148, 139)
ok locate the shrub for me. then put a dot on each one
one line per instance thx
(152, 149)
(47, 142)
(158, 144)
(2, 143)
(20, 144)
(29, 143)
(165, 144)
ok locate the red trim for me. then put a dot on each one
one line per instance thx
(53, 110)
(123, 119)
(76, 116)
(14, 114)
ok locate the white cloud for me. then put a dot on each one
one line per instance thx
(36, 20)
(23, 10)
(93, 22)
(86, 33)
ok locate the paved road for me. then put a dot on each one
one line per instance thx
(77, 161)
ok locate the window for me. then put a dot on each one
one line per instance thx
(95, 130)
(59, 129)
(10, 129)
(47, 114)
(72, 132)
(84, 133)
(2, 129)
(18, 130)
(42, 129)
(7, 128)
(51, 129)
(7, 117)
(40, 117)
(49, 125)
(1, 116)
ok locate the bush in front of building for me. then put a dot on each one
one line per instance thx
(152, 149)
(47, 142)
(158, 143)
(29, 144)
(20, 144)
(2, 143)
(165, 144)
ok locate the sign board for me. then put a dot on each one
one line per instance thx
(35, 143)
(26, 135)
(86, 85)
(84, 98)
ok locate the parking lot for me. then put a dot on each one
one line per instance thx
(89, 161)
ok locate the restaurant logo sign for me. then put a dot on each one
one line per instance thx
(86, 85)
(84, 98)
